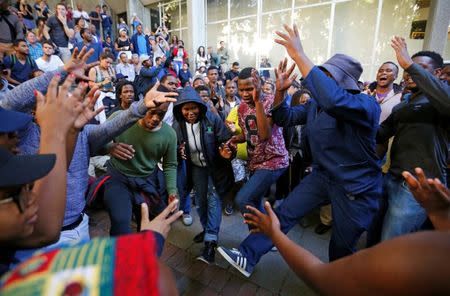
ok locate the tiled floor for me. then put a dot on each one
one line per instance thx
(271, 277)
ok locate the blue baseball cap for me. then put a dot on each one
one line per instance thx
(11, 121)
(18, 170)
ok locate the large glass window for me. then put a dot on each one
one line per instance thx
(174, 17)
(355, 27)
(239, 8)
(397, 18)
(276, 5)
(309, 2)
(269, 24)
(243, 41)
(216, 33)
(217, 10)
(314, 26)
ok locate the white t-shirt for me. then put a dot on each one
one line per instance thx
(80, 14)
(53, 64)
(195, 146)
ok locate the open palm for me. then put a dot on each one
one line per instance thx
(283, 76)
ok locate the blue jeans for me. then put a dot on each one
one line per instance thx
(254, 189)
(404, 214)
(208, 203)
(107, 32)
(352, 214)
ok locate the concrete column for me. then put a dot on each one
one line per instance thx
(196, 26)
(437, 26)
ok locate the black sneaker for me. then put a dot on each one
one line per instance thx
(199, 237)
(208, 252)
(322, 228)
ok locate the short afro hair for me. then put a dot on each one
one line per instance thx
(200, 88)
(437, 58)
(246, 73)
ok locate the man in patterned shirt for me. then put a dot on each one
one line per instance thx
(267, 154)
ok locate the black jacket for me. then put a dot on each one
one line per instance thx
(213, 133)
(421, 127)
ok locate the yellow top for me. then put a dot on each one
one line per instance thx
(241, 148)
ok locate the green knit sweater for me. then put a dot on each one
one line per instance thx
(149, 148)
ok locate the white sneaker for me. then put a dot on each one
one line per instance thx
(187, 219)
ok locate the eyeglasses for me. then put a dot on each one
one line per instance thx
(20, 196)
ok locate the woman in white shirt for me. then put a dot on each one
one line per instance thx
(201, 58)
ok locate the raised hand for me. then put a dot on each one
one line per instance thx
(162, 222)
(401, 51)
(283, 76)
(62, 18)
(87, 112)
(153, 98)
(121, 151)
(59, 109)
(256, 86)
(266, 224)
(290, 41)
(77, 63)
(431, 194)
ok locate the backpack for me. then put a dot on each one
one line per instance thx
(29, 60)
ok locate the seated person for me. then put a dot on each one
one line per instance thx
(19, 65)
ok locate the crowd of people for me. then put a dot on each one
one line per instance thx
(90, 120)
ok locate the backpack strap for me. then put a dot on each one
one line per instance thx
(12, 30)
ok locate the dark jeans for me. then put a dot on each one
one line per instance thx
(291, 177)
(183, 195)
(124, 195)
(253, 190)
(352, 214)
(107, 32)
(208, 203)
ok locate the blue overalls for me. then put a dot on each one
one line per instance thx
(341, 129)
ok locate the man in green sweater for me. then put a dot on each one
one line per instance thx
(134, 181)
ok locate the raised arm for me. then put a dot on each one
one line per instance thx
(57, 113)
(360, 109)
(282, 114)
(438, 92)
(263, 122)
(292, 44)
(22, 97)
(100, 135)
